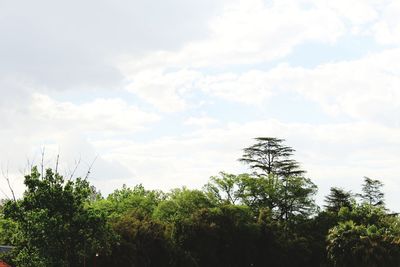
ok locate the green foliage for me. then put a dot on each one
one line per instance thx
(268, 218)
(279, 184)
(337, 199)
(287, 198)
(372, 192)
(258, 193)
(180, 204)
(7, 230)
(223, 236)
(226, 188)
(297, 198)
(53, 225)
(126, 200)
(363, 214)
(141, 242)
(360, 245)
(269, 156)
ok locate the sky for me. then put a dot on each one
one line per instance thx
(168, 92)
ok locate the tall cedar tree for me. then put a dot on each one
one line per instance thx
(372, 192)
(284, 190)
(269, 156)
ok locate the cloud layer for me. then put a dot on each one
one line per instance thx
(167, 93)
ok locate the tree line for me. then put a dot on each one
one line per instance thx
(267, 217)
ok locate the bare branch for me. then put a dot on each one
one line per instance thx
(77, 163)
(57, 162)
(42, 161)
(90, 167)
(7, 178)
(27, 168)
(29, 164)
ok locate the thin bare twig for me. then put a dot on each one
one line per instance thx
(77, 163)
(27, 168)
(57, 162)
(42, 161)
(90, 167)
(7, 178)
(29, 164)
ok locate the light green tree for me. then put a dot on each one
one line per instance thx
(55, 225)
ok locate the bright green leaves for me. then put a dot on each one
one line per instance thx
(54, 225)
(354, 245)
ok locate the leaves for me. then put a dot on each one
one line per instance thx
(53, 222)
(267, 218)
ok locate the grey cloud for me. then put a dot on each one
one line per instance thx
(75, 148)
(68, 44)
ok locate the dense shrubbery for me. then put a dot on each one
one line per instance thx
(266, 218)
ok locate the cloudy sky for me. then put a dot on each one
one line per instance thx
(167, 92)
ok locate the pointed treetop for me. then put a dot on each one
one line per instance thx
(270, 156)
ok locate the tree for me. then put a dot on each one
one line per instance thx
(126, 200)
(225, 188)
(259, 192)
(141, 241)
(222, 236)
(337, 199)
(297, 200)
(372, 192)
(365, 214)
(180, 204)
(355, 245)
(287, 198)
(269, 156)
(280, 185)
(54, 224)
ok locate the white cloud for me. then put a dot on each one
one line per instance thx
(249, 88)
(255, 31)
(386, 29)
(250, 32)
(364, 89)
(164, 90)
(246, 32)
(100, 115)
(358, 12)
(202, 121)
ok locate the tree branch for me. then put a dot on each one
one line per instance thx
(7, 178)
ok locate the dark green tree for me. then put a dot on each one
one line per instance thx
(141, 241)
(222, 236)
(270, 156)
(337, 199)
(372, 192)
